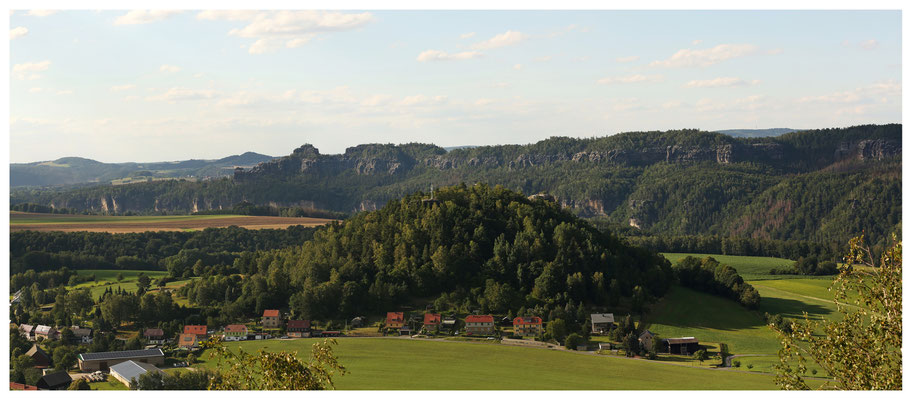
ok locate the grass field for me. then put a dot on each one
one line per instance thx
(110, 384)
(749, 267)
(106, 278)
(793, 297)
(125, 224)
(390, 363)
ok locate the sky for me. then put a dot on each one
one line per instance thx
(118, 86)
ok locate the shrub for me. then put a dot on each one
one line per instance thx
(736, 364)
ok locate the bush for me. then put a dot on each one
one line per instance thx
(736, 364)
(574, 340)
(750, 366)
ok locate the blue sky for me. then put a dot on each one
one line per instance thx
(150, 86)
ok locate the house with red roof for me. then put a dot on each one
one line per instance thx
(188, 341)
(198, 330)
(395, 320)
(479, 324)
(431, 322)
(271, 319)
(235, 332)
(298, 328)
(527, 326)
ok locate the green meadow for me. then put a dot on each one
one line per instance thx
(107, 278)
(749, 267)
(404, 364)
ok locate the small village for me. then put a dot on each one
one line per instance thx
(163, 352)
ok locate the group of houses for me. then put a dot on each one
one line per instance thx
(475, 325)
(35, 332)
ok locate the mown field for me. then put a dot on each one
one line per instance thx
(20, 221)
(391, 363)
(749, 267)
(106, 278)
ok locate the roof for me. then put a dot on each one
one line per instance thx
(298, 324)
(130, 370)
(44, 330)
(80, 332)
(682, 340)
(185, 336)
(527, 321)
(602, 318)
(154, 332)
(56, 379)
(647, 332)
(36, 349)
(430, 319)
(22, 386)
(270, 313)
(26, 328)
(113, 355)
(236, 328)
(195, 329)
(395, 316)
(480, 318)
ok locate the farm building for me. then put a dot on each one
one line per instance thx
(59, 380)
(235, 332)
(155, 335)
(46, 332)
(448, 323)
(89, 362)
(527, 326)
(198, 330)
(81, 335)
(395, 320)
(298, 328)
(645, 339)
(41, 359)
(602, 323)
(431, 322)
(188, 341)
(684, 345)
(479, 324)
(357, 322)
(271, 319)
(129, 370)
(27, 331)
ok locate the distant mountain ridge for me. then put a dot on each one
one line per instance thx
(755, 133)
(78, 170)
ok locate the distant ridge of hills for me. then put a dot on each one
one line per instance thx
(77, 170)
(754, 133)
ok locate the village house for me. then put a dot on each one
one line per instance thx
(27, 331)
(46, 332)
(235, 333)
(89, 362)
(155, 335)
(59, 380)
(527, 326)
(431, 322)
(41, 359)
(357, 322)
(271, 319)
(395, 320)
(129, 370)
(188, 341)
(298, 328)
(81, 335)
(602, 323)
(684, 345)
(22, 386)
(198, 330)
(646, 339)
(479, 325)
(448, 323)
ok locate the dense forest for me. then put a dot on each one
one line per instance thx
(821, 186)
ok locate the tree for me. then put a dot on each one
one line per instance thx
(64, 357)
(701, 355)
(574, 340)
(557, 329)
(863, 351)
(120, 276)
(631, 345)
(79, 384)
(143, 282)
(275, 371)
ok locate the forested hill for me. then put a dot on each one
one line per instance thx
(471, 248)
(76, 170)
(822, 185)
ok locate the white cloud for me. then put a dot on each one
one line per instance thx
(227, 15)
(706, 57)
(517, 66)
(483, 102)
(437, 55)
(36, 90)
(18, 32)
(869, 44)
(696, 42)
(467, 35)
(544, 59)
(507, 38)
(40, 13)
(184, 94)
(627, 59)
(291, 28)
(878, 92)
(169, 68)
(422, 100)
(27, 71)
(136, 17)
(636, 78)
(719, 82)
(118, 88)
(64, 92)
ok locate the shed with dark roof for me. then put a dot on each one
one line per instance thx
(59, 380)
(41, 359)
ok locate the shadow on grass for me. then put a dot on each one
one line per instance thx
(793, 309)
